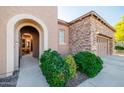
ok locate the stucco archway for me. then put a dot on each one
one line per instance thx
(13, 27)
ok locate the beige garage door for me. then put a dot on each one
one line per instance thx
(102, 46)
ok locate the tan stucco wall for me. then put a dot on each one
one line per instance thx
(2, 46)
(48, 14)
(64, 48)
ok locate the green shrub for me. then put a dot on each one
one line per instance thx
(99, 60)
(72, 65)
(88, 63)
(119, 48)
(54, 68)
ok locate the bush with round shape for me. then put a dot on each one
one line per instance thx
(54, 68)
(88, 63)
(72, 65)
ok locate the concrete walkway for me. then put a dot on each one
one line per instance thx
(30, 74)
(112, 74)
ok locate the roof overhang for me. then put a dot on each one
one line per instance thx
(62, 22)
(91, 13)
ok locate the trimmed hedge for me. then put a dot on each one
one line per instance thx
(88, 63)
(72, 65)
(119, 48)
(55, 69)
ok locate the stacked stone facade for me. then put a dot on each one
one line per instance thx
(84, 31)
(79, 36)
(99, 29)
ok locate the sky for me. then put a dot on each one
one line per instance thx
(112, 14)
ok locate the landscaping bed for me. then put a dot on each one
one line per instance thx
(10, 81)
(80, 77)
(70, 70)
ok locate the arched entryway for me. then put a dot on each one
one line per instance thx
(14, 27)
(29, 42)
(32, 28)
(30, 73)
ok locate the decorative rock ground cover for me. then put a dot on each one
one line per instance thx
(80, 77)
(10, 81)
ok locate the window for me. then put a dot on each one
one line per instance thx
(61, 37)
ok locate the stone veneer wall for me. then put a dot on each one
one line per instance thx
(83, 35)
(79, 36)
(98, 28)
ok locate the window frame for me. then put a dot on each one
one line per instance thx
(62, 42)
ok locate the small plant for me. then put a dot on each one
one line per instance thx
(88, 63)
(119, 48)
(54, 68)
(72, 65)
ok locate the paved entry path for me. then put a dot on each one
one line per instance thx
(112, 74)
(30, 74)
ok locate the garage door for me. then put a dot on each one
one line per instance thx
(102, 46)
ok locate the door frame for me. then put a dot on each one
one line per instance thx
(108, 42)
(10, 44)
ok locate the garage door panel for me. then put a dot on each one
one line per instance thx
(102, 46)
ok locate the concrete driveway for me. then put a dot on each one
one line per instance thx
(112, 74)
(30, 74)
